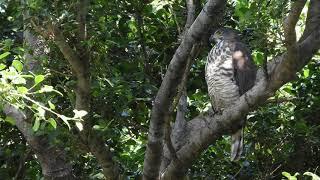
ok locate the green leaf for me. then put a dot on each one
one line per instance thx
(4, 55)
(17, 65)
(306, 73)
(288, 175)
(314, 176)
(53, 122)
(97, 127)
(22, 90)
(10, 120)
(65, 120)
(38, 79)
(2, 66)
(36, 124)
(259, 57)
(52, 106)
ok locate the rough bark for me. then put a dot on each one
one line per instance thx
(169, 86)
(79, 59)
(313, 18)
(52, 160)
(291, 21)
(208, 127)
(174, 135)
(80, 62)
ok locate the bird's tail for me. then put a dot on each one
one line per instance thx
(236, 145)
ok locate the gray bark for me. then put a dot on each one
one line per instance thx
(79, 61)
(52, 159)
(208, 127)
(169, 86)
(175, 135)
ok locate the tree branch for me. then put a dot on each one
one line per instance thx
(20, 174)
(81, 19)
(208, 127)
(313, 19)
(80, 66)
(170, 148)
(169, 86)
(291, 21)
(52, 160)
(71, 56)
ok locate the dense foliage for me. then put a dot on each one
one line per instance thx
(131, 44)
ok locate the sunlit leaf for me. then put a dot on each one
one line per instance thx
(79, 125)
(79, 114)
(17, 65)
(3, 55)
(52, 106)
(306, 73)
(10, 120)
(36, 124)
(19, 80)
(22, 90)
(2, 66)
(53, 122)
(65, 120)
(47, 88)
(289, 176)
(314, 176)
(38, 79)
(41, 112)
(258, 57)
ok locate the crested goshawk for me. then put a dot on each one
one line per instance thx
(230, 72)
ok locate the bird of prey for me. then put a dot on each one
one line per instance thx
(230, 72)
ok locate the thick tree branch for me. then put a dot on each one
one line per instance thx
(81, 18)
(169, 86)
(192, 6)
(207, 128)
(69, 53)
(96, 145)
(78, 58)
(313, 19)
(170, 148)
(291, 21)
(52, 160)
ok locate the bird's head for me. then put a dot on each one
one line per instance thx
(224, 34)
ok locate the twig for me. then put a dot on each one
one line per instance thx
(21, 169)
